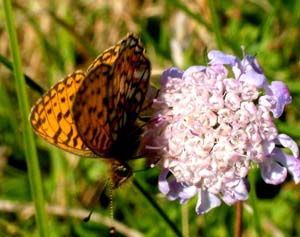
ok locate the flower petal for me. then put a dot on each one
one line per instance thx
(163, 184)
(175, 190)
(218, 57)
(172, 72)
(251, 72)
(281, 95)
(237, 191)
(286, 141)
(191, 70)
(290, 162)
(272, 172)
(206, 202)
(186, 194)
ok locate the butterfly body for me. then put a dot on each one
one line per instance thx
(95, 113)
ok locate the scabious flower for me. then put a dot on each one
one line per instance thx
(210, 124)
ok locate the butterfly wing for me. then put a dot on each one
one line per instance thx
(51, 117)
(109, 56)
(111, 96)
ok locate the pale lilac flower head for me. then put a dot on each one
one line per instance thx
(211, 123)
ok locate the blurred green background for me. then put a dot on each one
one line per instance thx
(58, 37)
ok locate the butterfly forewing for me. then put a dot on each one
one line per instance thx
(135, 79)
(109, 56)
(111, 97)
(51, 117)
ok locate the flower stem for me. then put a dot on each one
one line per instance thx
(253, 203)
(238, 228)
(185, 220)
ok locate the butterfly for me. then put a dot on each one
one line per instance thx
(95, 113)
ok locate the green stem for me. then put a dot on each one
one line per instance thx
(29, 144)
(185, 220)
(197, 17)
(157, 208)
(215, 23)
(31, 83)
(253, 203)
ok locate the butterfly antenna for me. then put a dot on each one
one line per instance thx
(87, 219)
(111, 204)
(112, 230)
(96, 197)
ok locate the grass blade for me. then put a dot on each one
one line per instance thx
(30, 149)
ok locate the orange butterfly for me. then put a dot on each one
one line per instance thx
(95, 114)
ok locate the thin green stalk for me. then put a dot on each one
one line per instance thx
(29, 145)
(33, 85)
(157, 208)
(185, 220)
(253, 204)
(215, 23)
(197, 17)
